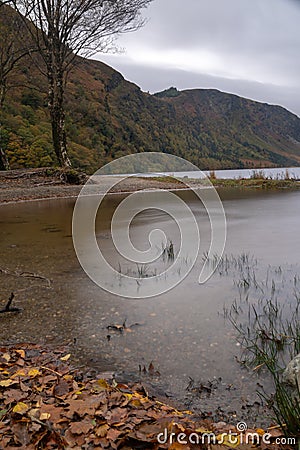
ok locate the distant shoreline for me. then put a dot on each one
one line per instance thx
(45, 184)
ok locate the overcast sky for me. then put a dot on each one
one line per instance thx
(247, 47)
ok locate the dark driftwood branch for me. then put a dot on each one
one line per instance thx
(123, 327)
(8, 307)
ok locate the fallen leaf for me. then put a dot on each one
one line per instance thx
(21, 353)
(7, 383)
(260, 431)
(32, 373)
(113, 434)
(116, 416)
(20, 362)
(71, 439)
(68, 377)
(21, 434)
(82, 407)
(6, 356)
(66, 357)
(34, 413)
(23, 387)
(276, 433)
(45, 416)
(102, 430)
(228, 440)
(82, 427)
(13, 396)
(83, 412)
(21, 408)
(61, 388)
(19, 373)
(100, 385)
(54, 412)
(203, 430)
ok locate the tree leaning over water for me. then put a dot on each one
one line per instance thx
(64, 29)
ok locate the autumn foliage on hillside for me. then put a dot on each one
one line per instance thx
(108, 117)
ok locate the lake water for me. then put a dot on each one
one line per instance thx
(182, 332)
(274, 173)
(292, 172)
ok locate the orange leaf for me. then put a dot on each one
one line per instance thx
(21, 353)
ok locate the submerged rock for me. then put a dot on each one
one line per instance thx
(291, 375)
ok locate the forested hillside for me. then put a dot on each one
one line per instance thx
(108, 117)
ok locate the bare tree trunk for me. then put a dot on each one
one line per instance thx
(4, 164)
(63, 29)
(2, 93)
(57, 113)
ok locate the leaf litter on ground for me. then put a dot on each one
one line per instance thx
(45, 403)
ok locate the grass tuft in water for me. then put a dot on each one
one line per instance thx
(269, 332)
(168, 253)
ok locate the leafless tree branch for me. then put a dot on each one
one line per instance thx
(63, 29)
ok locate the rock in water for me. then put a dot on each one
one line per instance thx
(291, 375)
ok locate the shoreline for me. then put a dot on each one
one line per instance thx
(32, 187)
(18, 186)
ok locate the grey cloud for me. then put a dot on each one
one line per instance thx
(256, 35)
(229, 24)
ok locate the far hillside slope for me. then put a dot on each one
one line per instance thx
(108, 117)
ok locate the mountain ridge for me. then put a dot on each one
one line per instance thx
(187, 90)
(108, 117)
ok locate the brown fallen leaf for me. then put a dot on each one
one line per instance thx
(20, 433)
(58, 407)
(61, 388)
(113, 434)
(276, 433)
(82, 427)
(13, 395)
(102, 430)
(116, 416)
(82, 407)
(23, 386)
